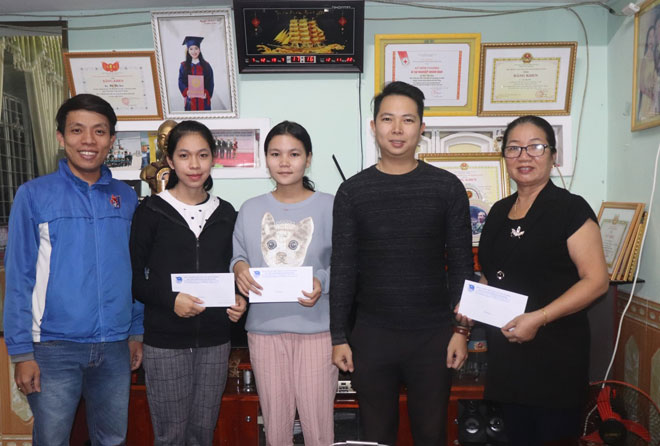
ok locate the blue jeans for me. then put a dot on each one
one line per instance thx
(100, 372)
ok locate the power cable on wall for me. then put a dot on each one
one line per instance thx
(491, 11)
(584, 96)
(359, 79)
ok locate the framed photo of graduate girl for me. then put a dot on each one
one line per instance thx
(646, 67)
(196, 65)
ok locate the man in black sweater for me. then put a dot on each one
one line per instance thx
(401, 251)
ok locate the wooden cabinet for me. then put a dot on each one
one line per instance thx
(237, 422)
(15, 415)
(239, 414)
(139, 419)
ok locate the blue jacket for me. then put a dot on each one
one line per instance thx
(68, 267)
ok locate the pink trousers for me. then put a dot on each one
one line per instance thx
(295, 371)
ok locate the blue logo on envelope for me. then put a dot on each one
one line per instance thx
(179, 279)
(470, 287)
(257, 273)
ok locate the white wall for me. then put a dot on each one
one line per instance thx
(328, 104)
(631, 155)
(613, 163)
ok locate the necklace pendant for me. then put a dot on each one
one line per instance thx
(499, 275)
(516, 232)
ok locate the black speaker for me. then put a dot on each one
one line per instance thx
(480, 424)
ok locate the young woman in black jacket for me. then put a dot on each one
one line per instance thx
(184, 229)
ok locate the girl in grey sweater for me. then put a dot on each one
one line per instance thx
(290, 345)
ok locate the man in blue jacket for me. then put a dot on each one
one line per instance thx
(71, 325)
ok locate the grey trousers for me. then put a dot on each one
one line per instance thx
(184, 390)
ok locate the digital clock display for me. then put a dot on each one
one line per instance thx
(300, 59)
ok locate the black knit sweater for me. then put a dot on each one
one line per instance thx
(401, 249)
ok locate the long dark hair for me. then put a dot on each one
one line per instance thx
(180, 130)
(297, 131)
(188, 62)
(646, 43)
(537, 121)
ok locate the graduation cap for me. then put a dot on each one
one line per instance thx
(192, 40)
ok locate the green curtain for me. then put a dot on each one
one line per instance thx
(2, 67)
(40, 58)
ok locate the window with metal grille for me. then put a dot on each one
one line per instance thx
(16, 151)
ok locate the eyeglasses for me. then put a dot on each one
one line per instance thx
(533, 150)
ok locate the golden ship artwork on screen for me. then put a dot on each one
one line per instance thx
(302, 36)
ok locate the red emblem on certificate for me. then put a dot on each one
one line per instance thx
(110, 66)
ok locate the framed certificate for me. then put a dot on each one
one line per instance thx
(646, 68)
(618, 222)
(526, 78)
(127, 80)
(443, 66)
(485, 179)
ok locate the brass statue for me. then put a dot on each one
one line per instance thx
(157, 173)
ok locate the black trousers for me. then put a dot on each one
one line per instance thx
(384, 359)
(534, 426)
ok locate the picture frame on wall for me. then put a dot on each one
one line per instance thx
(439, 129)
(485, 179)
(646, 67)
(617, 223)
(196, 64)
(126, 79)
(240, 148)
(533, 78)
(444, 66)
(241, 156)
(134, 148)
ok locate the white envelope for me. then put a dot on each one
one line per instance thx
(282, 284)
(490, 305)
(215, 289)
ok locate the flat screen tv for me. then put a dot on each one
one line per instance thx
(299, 35)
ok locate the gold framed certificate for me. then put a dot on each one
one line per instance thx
(617, 223)
(443, 66)
(526, 78)
(485, 179)
(126, 79)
